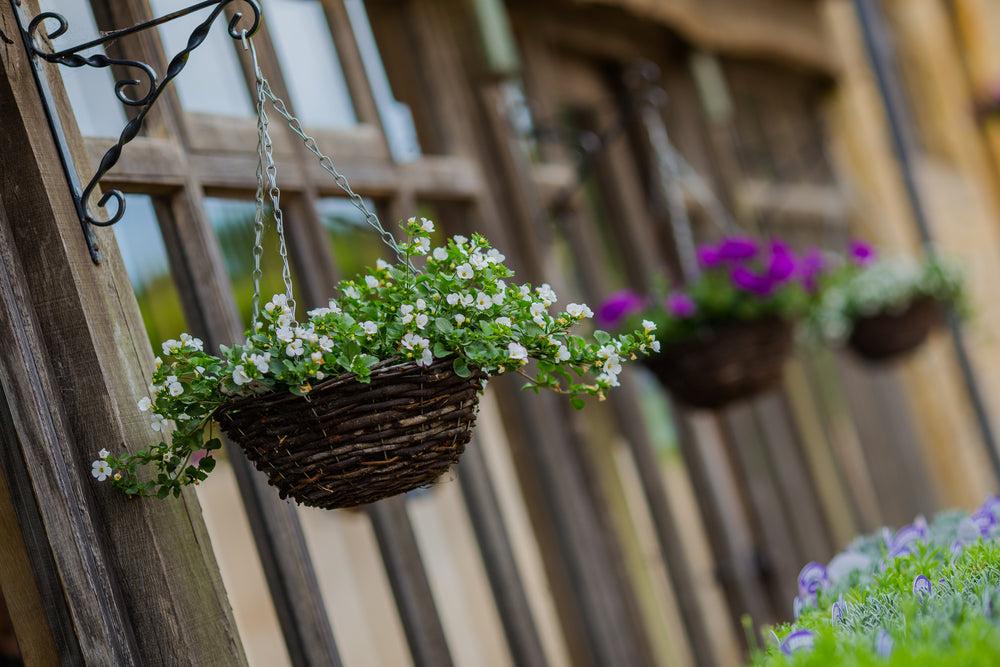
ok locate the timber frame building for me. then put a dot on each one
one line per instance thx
(636, 533)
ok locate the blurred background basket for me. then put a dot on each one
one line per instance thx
(350, 443)
(888, 334)
(729, 363)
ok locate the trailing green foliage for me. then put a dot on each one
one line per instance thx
(926, 595)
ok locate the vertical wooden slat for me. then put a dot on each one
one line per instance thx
(498, 558)
(414, 598)
(70, 392)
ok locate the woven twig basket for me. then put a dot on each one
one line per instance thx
(888, 334)
(727, 364)
(351, 443)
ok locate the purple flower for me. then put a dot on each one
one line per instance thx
(749, 281)
(738, 248)
(921, 585)
(883, 644)
(782, 263)
(680, 305)
(812, 578)
(800, 640)
(811, 266)
(708, 256)
(862, 253)
(619, 306)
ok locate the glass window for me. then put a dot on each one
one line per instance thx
(145, 255)
(91, 90)
(355, 245)
(310, 63)
(233, 221)
(212, 81)
(396, 117)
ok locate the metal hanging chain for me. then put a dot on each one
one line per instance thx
(264, 91)
(266, 166)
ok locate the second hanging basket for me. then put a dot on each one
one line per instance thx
(351, 443)
(888, 334)
(728, 363)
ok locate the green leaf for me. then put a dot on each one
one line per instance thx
(440, 350)
(207, 464)
(443, 325)
(546, 367)
(163, 492)
(577, 402)
(602, 337)
(461, 368)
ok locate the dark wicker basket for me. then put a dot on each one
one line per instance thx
(351, 443)
(887, 334)
(727, 364)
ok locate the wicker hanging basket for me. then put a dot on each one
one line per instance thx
(351, 443)
(727, 364)
(889, 334)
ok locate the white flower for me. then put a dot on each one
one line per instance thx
(610, 380)
(459, 239)
(483, 301)
(477, 260)
(103, 454)
(308, 334)
(412, 341)
(190, 341)
(240, 376)
(613, 365)
(538, 313)
(467, 299)
(334, 306)
(285, 334)
(422, 246)
(440, 254)
(320, 375)
(158, 423)
(579, 310)
(517, 351)
(294, 348)
(562, 354)
(453, 299)
(607, 351)
(494, 256)
(169, 346)
(422, 319)
(261, 361)
(371, 281)
(175, 389)
(525, 290)
(463, 271)
(370, 329)
(405, 309)
(421, 304)
(547, 294)
(655, 346)
(648, 326)
(503, 321)
(351, 292)
(280, 299)
(317, 357)
(159, 362)
(199, 369)
(459, 318)
(145, 403)
(498, 298)
(426, 225)
(101, 470)
(381, 264)
(170, 380)
(501, 286)
(426, 358)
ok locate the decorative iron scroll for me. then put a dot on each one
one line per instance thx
(145, 90)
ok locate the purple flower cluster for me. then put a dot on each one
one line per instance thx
(761, 268)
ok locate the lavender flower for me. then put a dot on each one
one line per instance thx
(862, 253)
(738, 248)
(749, 281)
(708, 257)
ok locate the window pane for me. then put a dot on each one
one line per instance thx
(233, 223)
(310, 63)
(396, 116)
(355, 244)
(212, 81)
(91, 90)
(145, 255)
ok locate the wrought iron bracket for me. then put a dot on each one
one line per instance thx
(148, 84)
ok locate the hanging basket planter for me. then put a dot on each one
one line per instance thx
(728, 364)
(350, 443)
(891, 333)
